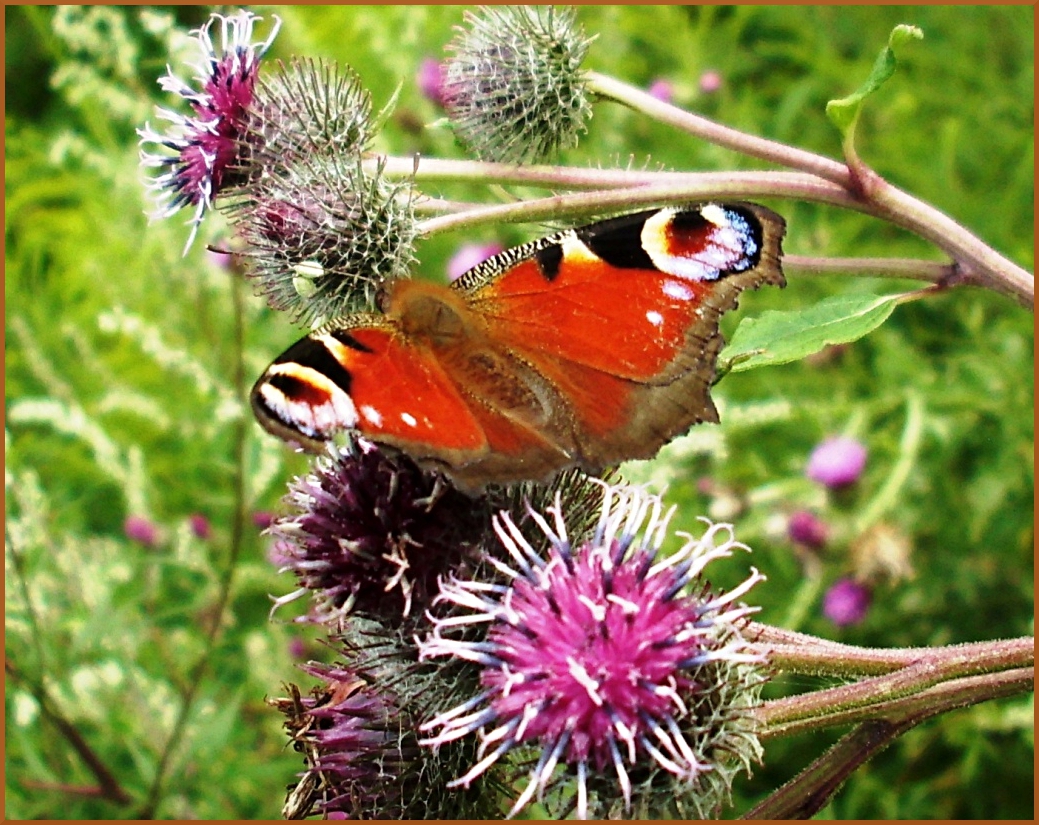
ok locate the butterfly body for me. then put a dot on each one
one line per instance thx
(586, 348)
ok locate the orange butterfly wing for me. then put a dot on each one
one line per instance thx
(366, 373)
(622, 317)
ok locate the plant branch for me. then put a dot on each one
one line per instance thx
(688, 189)
(868, 697)
(109, 787)
(882, 198)
(809, 792)
(768, 150)
(919, 270)
(227, 578)
(794, 652)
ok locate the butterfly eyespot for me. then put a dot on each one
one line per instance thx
(586, 348)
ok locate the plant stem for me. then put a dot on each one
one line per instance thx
(688, 189)
(809, 792)
(908, 448)
(883, 199)
(109, 787)
(872, 696)
(795, 652)
(769, 150)
(932, 271)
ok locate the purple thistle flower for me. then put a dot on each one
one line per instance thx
(837, 462)
(594, 655)
(372, 532)
(350, 733)
(847, 602)
(197, 156)
(141, 530)
(469, 255)
(806, 528)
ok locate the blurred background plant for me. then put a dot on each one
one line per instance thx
(137, 643)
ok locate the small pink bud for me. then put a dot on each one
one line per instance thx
(263, 519)
(837, 462)
(141, 530)
(805, 528)
(200, 526)
(710, 82)
(219, 259)
(846, 602)
(430, 80)
(297, 648)
(662, 90)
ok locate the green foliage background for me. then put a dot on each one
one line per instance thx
(120, 398)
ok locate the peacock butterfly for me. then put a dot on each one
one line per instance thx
(586, 348)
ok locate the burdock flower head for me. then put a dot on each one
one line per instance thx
(604, 658)
(350, 735)
(198, 156)
(371, 533)
(513, 89)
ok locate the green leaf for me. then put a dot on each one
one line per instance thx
(845, 112)
(782, 337)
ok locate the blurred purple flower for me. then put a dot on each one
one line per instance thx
(846, 602)
(468, 256)
(710, 81)
(263, 519)
(196, 157)
(297, 648)
(200, 526)
(837, 462)
(141, 530)
(430, 80)
(662, 90)
(219, 259)
(807, 528)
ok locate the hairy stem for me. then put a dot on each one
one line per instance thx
(769, 150)
(922, 669)
(794, 652)
(805, 795)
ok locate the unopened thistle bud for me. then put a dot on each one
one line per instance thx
(324, 233)
(513, 90)
(310, 107)
(606, 659)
